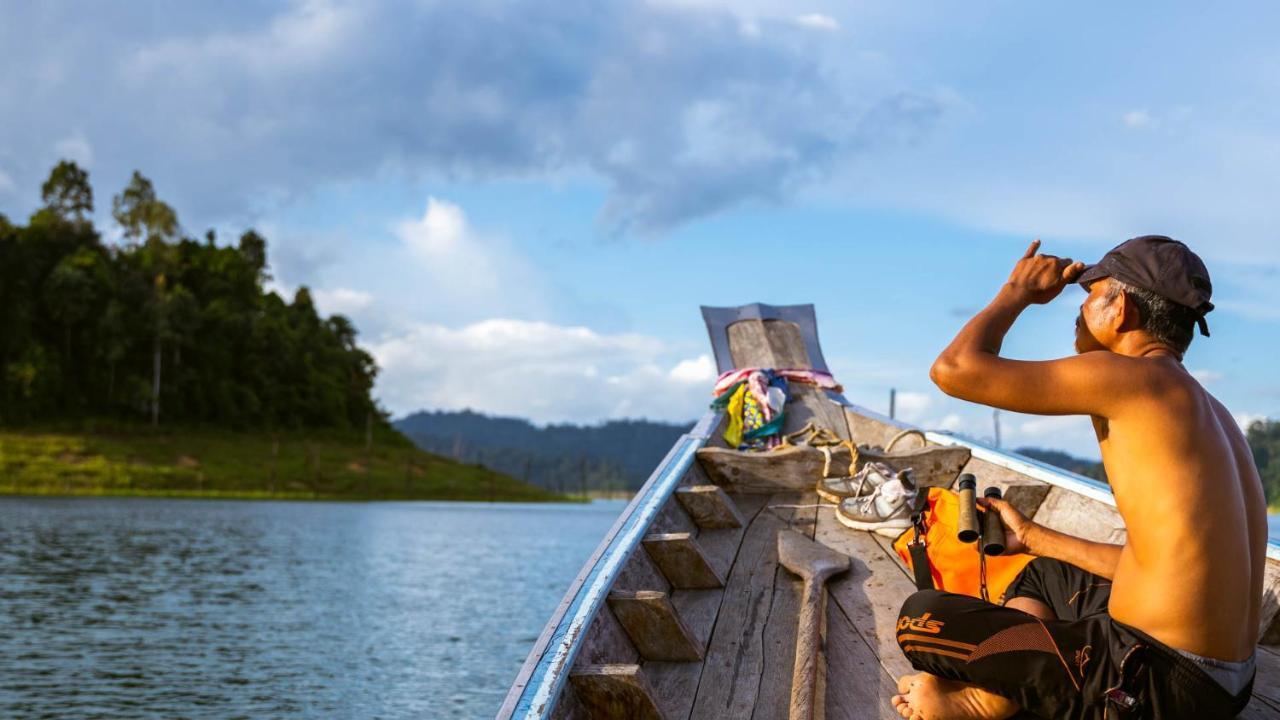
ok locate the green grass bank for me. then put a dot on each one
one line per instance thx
(114, 460)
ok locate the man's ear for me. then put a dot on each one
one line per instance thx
(1127, 317)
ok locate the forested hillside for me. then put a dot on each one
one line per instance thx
(1057, 458)
(616, 455)
(163, 328)
(161, 366)
(1264, 439)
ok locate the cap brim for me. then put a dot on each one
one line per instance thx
(1090, 274)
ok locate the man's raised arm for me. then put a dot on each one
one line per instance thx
(970, 368)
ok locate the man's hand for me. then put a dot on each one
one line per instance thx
(1040, 278)
(1027, 536)
(1018, 528)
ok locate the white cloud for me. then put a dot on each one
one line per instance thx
(1136, 119)
(342, 301)
(952, 422)
(6, 182)
(1051, 427)
(441, 230)
(701, 369)
(1244, 420)
(538, 370)
(911, 406)
(474, 272)
(817, 21)
(75, 147)
(1206, 376)
(311, 93)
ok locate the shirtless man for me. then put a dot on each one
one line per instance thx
(1161, 626)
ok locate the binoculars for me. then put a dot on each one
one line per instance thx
(990, 529)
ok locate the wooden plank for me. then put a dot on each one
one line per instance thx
(1025, 493)
(791, 468)
(767, 344)
(806, 404)
(675, 685)
(615, 691)
(1269, 620)
(709, 507)
(606, 643)
(779, 648)
(568, 707)
(1266, 686)
(654, 626)
(886, 544)
(639, 573)
(698, 609)
(673, 519)
(736, 662)
(800, 467)
(871, 593)
(869, 431)
(682, 561)
(932, 465)
(1080, 516)
(856, 686)
(780, 629)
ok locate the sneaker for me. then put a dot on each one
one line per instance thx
(864, 482)
(886, 511)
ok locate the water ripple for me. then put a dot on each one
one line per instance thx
(137, 608)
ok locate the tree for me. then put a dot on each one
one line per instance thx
(67, 192)
(163, 323)
(253, 248)
(142, 215)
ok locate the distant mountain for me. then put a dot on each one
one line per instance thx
(1057, 458)
(616, 455)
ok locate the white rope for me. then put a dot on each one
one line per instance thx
(805, 507)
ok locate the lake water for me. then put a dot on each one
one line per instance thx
(130, 608)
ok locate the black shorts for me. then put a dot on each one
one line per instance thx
(1082, 665)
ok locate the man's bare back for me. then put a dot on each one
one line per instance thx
(1189, 576)
(1190, 573)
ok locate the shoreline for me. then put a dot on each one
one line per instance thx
(205, 463)
(20, 492)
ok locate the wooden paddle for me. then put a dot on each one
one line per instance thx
(815, 564)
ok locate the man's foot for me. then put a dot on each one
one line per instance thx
(928, 697)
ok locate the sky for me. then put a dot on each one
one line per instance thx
(522, 204)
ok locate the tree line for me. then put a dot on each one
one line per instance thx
(162, 327)
(616, 455)
(1264, 440)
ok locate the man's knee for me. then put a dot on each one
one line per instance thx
(919, 626)
(919, 611)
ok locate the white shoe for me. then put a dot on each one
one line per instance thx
(886, 511)
(864, 482)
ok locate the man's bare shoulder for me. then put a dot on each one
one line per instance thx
(1164, 376)
(1129, 374)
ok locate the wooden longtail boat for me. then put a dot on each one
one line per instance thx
(684, 610)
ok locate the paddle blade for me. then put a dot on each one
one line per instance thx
(807, 558)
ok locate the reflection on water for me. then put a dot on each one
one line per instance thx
(160, 608)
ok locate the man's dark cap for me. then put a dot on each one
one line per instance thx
(1161, 265)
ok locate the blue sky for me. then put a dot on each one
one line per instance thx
(522, 204)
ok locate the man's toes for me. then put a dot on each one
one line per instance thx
(906, 682)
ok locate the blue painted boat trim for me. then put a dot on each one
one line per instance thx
(546, 680)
